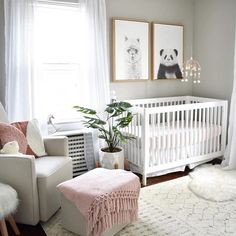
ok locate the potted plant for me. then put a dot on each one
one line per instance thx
(117, 117)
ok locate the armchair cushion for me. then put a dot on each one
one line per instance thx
(50, 171)
(56, 145)
(10, 133)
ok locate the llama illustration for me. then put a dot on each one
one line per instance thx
(133, 58)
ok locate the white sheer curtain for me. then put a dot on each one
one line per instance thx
(18, 58)
(19, 39)
(230, 153)
(94, 51)
(95, 57)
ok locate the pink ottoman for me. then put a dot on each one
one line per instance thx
(100, 202)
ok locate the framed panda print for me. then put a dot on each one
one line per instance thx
(167, 51)
(130, 50)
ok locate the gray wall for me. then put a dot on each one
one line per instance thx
(163, 11)
(214, 40)
(2, 54)
(214, 29)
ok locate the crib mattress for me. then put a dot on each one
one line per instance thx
(176, 134)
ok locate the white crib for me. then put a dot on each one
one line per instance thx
(171, 133)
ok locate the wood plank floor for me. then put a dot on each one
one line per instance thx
(163, 178)
(27, 230)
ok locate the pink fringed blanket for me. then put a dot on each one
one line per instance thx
(104, 197)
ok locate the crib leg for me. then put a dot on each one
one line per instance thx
(144, 180)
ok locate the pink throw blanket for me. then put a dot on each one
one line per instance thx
(104, 197)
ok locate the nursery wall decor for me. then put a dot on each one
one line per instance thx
(167, 51)
(130, 50)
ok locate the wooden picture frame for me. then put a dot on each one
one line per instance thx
(131, 48)
(167, 51)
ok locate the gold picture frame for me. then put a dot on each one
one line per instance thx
(167, 51)
(131, 50)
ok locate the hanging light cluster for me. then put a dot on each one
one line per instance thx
(191, 71)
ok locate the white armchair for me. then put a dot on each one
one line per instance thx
(35, 180)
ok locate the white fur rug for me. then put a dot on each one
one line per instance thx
(170, 208)
(8, 200)
(214, 183)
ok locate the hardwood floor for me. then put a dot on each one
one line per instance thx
(163, 178)
(27, 230)
(167, 177)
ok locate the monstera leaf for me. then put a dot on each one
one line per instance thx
(118, 117)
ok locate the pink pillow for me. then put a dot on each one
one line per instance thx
(22, 126)
(10, 133)
(33, 136)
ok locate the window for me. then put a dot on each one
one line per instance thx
(57, 83)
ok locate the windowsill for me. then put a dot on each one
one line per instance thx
(65, 126)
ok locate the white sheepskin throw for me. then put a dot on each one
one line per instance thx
(8, 200)
(213, 182)
(10, 148)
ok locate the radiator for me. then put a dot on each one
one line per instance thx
(81, 150)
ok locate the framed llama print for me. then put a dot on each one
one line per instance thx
(130, 50)
(167, 51)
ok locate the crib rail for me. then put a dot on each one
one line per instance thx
(166, 135)
(158, 102)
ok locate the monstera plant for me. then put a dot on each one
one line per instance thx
(117, 116)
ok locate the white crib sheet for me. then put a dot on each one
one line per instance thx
(176, 135)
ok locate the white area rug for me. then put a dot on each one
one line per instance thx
(214, 182)
(170, 208)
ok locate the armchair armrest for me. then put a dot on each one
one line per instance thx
(56, 145)
(19, 172)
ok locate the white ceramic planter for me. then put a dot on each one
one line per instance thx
(111, 159)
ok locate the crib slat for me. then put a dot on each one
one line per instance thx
(182, 135)
(214, 129)
(207, 129)
(204, 130)
(187, 128)
(191, 132)
(145, 144)
(195, 133)
(218, 126)
(211, 129)
(173, 137)
(135, 142)
(159, 160)
(199, 141)
(131, 144)
(168, 137)
(164, 137)
(140, 138)
(152, 143)
(178, 138)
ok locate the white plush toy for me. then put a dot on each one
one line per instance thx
(10, 148)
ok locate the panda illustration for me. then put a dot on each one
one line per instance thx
(169, 67)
